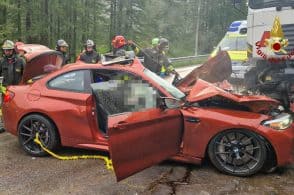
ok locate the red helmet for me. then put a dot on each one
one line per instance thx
(118, 41)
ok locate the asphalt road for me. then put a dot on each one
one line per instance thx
(23, 174)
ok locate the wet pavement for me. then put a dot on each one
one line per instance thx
(23, 174)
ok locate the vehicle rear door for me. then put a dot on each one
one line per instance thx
(141, 132)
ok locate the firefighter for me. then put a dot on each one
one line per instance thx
(90, 55)
(11, 67)
(119, 45)
(62, 46)
(155, 58)
(166, 66)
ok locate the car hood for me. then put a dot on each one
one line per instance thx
(204, 90)
(214, 70)
(37, 58)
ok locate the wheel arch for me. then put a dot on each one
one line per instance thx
(270, 156)
(44, 115)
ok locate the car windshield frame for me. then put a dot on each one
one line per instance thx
(260, 4)
(172, 90)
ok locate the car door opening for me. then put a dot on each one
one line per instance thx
(114, 97)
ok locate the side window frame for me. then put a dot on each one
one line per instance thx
(87, 82)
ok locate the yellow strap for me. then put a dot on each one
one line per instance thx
(2, 89)
(107, 161)
(136, 50)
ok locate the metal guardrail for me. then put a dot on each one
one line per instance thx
(186, 58)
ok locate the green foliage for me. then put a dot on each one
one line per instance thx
(46, 21)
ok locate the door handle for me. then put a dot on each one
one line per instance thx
(193, 120)
(121, 125)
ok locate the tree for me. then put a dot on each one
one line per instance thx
(47, 21)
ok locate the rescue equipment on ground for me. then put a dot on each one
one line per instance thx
(107, 161)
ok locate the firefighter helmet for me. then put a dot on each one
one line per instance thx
(61, 43)
(118, 41)
(155, 41)
(89, 43)
(8, 45)
(163, 43)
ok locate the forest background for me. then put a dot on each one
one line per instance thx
(191, 26)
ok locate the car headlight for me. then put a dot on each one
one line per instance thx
(280, 122)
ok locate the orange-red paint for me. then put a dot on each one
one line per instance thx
(141, 139)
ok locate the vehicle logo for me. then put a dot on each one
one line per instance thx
(275, 42)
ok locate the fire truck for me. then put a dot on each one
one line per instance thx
(270, 39)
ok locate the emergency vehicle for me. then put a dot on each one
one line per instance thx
(235, 43)
(271, 49)
(263, 16)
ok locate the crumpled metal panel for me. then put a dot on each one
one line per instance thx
(214, 70)
(203, 90)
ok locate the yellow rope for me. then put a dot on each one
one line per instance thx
(2, 91)
(107, 161)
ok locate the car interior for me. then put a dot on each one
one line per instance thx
(117, 92)
(108, 100)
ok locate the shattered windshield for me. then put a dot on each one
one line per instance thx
(259, 4)
(175, 92)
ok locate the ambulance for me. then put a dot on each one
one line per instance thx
(235, 43)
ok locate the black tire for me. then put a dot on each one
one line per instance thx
(271, 162)
(237, 152)
(27, 130)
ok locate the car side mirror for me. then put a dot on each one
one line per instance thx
(171, 103)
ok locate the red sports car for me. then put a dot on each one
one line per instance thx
(141, 119)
